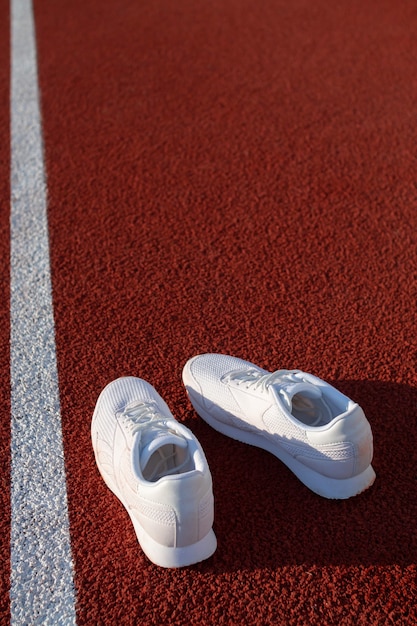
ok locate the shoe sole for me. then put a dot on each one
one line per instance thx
(164, 556)
(331, 488)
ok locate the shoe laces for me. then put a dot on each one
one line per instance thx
(311, 412)
(255, 379)
(141, 415)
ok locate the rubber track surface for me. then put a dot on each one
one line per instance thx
(235, 176)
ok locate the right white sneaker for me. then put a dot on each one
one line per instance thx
(157, 469)
(319, 433)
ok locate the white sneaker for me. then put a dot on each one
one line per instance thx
(157, 469)
(319, 433)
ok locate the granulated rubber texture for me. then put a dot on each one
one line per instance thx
(237, 176)
(4, 310)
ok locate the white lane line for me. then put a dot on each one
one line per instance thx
(42, 575)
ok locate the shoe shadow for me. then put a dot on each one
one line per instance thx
(265, 517)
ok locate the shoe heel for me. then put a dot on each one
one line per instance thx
(176, 556)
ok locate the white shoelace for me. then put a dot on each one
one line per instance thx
(256, 380)
(142, 415)
(253, 378)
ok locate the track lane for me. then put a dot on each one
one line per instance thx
(235, 177)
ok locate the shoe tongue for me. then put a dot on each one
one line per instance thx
(154, 439)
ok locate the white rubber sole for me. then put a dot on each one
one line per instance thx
(332, 488)
(164, 556)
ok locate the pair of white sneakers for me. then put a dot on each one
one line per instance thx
(157, 468)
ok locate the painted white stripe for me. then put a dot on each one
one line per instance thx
(42, 578)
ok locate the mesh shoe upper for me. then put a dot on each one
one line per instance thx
(157, 469)
(302, 419)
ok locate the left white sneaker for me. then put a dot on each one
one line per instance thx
(157, 469)
(319, 433)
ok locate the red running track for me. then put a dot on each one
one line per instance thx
(235, 176)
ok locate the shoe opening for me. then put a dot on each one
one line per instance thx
(311, 411)
(167, 459)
